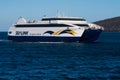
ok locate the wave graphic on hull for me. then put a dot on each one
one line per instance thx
(72, 32)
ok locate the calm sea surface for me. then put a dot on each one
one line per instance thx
(61, 61)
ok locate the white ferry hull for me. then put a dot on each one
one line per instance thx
(54, 30)
(87, 36)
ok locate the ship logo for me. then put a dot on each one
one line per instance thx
(68, 31)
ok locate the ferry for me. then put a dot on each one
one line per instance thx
(54, 29)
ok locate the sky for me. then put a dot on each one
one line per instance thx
(91, 10)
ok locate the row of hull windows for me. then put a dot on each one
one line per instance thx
(50, 25)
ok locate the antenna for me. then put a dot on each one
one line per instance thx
(44, 15)
(58, 14)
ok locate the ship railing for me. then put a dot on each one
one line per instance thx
(95, 27)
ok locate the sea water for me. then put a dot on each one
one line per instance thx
(61, 61)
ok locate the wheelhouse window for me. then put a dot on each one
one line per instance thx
(43, 25)
(70, 19)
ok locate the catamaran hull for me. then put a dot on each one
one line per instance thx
(88, 36)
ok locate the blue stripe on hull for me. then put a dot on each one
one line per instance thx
(88, 36)
(43, 39)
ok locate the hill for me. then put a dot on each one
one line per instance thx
(111, 24)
